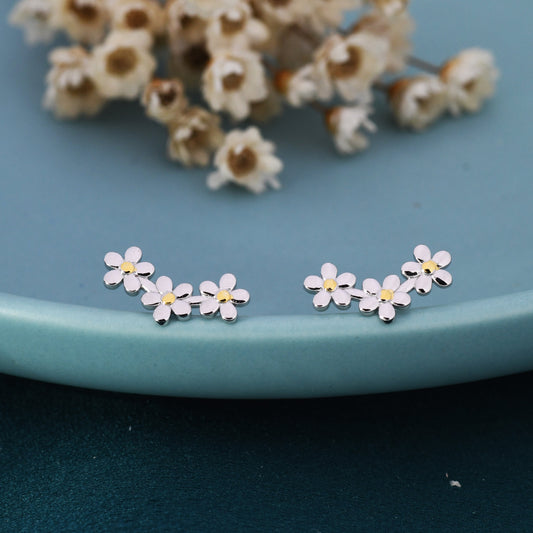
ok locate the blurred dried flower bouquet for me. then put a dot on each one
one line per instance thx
(247, 57)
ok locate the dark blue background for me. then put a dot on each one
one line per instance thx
(70, 462)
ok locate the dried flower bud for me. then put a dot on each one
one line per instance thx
(345, 124)
(164, 100)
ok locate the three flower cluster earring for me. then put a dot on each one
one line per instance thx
(166, 300)
(385, 297)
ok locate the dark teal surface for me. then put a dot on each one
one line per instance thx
(76, 460)
(73, 191)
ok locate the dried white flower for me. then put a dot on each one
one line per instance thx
(233, 80)
(246, 160)
(193, 137)
(186, 21)
(390, 8)
(233, 26)
(145, 15)
(350, 65)
(396, 30)
(470, 78)
(36, 18)
(164, 100)
(123, 65)
(85, 21)
(70, 90)
(417, 102)
(298, 87)
(346, 123)
(326, 14)
(283, 11)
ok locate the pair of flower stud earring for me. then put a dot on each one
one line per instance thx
(167, 300)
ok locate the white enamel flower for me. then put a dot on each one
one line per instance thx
(220, 298)
(299, 87)
(349, 65)
(193, 137)
(233, 25)
(330, 286)
(123, 65)
(396, 30)
(70, 90)
(147, 15)
(84, 21)
(470, 78)
(346, 125)
(246, 159)
(383, 298)
(164, 99)
(428, 269)
(127, 269)
(234, 79)
(37, 18)
(166, 300)
(417, 102)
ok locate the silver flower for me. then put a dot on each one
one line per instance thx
(128, 269)
(428, 269)
(222, 297)
(383, 297)
(166, 300)
(330, 287)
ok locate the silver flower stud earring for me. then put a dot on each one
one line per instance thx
(384, 298)
(166, 300)
(127, 269)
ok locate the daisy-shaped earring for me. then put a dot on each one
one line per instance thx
(328, 286)
(428, 269)
(383, 298)
(222, 297)
(166, 300)
(127, 269)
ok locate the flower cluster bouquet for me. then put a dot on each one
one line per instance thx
(248, 58)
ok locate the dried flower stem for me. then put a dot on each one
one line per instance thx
(423, 65)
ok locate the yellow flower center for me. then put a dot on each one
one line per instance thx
(127, 267)
(169, 298)
(386, 295)
(429, 267)
(223, 296)
(330, 285)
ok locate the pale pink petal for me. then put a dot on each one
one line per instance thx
(181, 309)
(368, 305)
(341, 298)
(422, 253)
(313, 283)
(228, 282)
(321, 300)
(391, 282)
(371, 286)
(328, 271)
(132, 283)
(228, 312)
(113, 278)
(113, 260)
(387, 312)
(164, 284)
(162, 314)
(133, 254)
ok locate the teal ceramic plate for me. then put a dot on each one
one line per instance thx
(73, 191)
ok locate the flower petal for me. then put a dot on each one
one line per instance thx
(442, 278)
(313, 283)
(408, 285)
(423, 284)
(113, 260)
(368, 305)
(401, 299)
(162, 314)
(228, 312)
(133, 254)
(132, 283)
(321, 300)
(144, 268)
(181, 309)
(347, 279)
(113, 278)
(151, 299)
(240, 296)
(208, 288)
(183, 290)
(228, 282)
(371, 286)
(341, 298)
(391, 282)
(411, 269)
(442, 258)
(147, 285)
(209, 307)
(328, 271)
(164, 284)
(422, 253)
(387, 312)
(358, 294)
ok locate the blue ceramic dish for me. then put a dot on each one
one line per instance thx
(73, 191)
